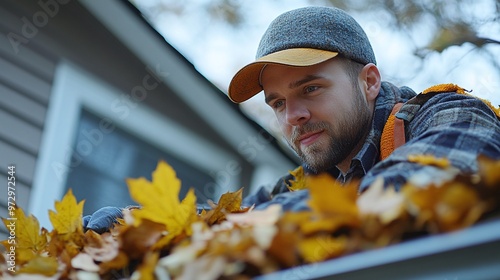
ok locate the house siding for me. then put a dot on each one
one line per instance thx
(25, 83)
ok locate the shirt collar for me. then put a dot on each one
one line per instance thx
(388, 96)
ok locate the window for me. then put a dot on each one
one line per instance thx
(92, 146)
(106, 158)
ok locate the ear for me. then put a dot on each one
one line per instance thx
(371, 81)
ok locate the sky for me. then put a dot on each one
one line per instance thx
(218, 51)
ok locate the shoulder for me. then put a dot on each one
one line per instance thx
(391, 94)
(446, 101)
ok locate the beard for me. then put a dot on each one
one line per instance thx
(342, 137)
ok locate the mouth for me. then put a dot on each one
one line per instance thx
(309, 138)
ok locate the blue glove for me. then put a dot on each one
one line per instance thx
(103, 219)
(290, 201)
(260, 197)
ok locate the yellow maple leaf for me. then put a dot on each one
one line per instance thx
(187, 212)
(429, 160)
(29, 240)
(229, 202)
(160, 202)
(67, 238)
(68, 215)
(299, 183)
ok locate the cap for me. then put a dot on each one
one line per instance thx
(303, 37)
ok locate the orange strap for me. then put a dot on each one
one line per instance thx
(393, 135)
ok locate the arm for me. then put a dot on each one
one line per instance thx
(263, 195)
(449, 125)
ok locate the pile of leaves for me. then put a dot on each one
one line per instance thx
(167, 239)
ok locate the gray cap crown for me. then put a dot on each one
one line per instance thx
(324, 28)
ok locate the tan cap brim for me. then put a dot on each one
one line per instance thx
(245, 82)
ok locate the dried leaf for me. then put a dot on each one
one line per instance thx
(268, 216)
(228, 203)
(283, 247)
(299, 182)
(320, 248)
(330, 197)
(181, 256)
(329, 224)
(387, 204)
(459, 207)
(65, 246)
(68, 215)
(46, 266)
(101, 248)
(205, 268)
(137, 241)
(146, 270)
(489, 171)
(429, 160)
(119, 262)
(85, 262)
(448, 207)
(263, 235)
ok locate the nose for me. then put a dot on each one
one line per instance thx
(296, 113)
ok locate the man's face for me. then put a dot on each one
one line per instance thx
(322, 114)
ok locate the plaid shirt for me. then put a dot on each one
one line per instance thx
(450, 125)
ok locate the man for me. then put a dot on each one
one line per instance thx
(318, 72)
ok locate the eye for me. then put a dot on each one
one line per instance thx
(278, 104)
(310, 89)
